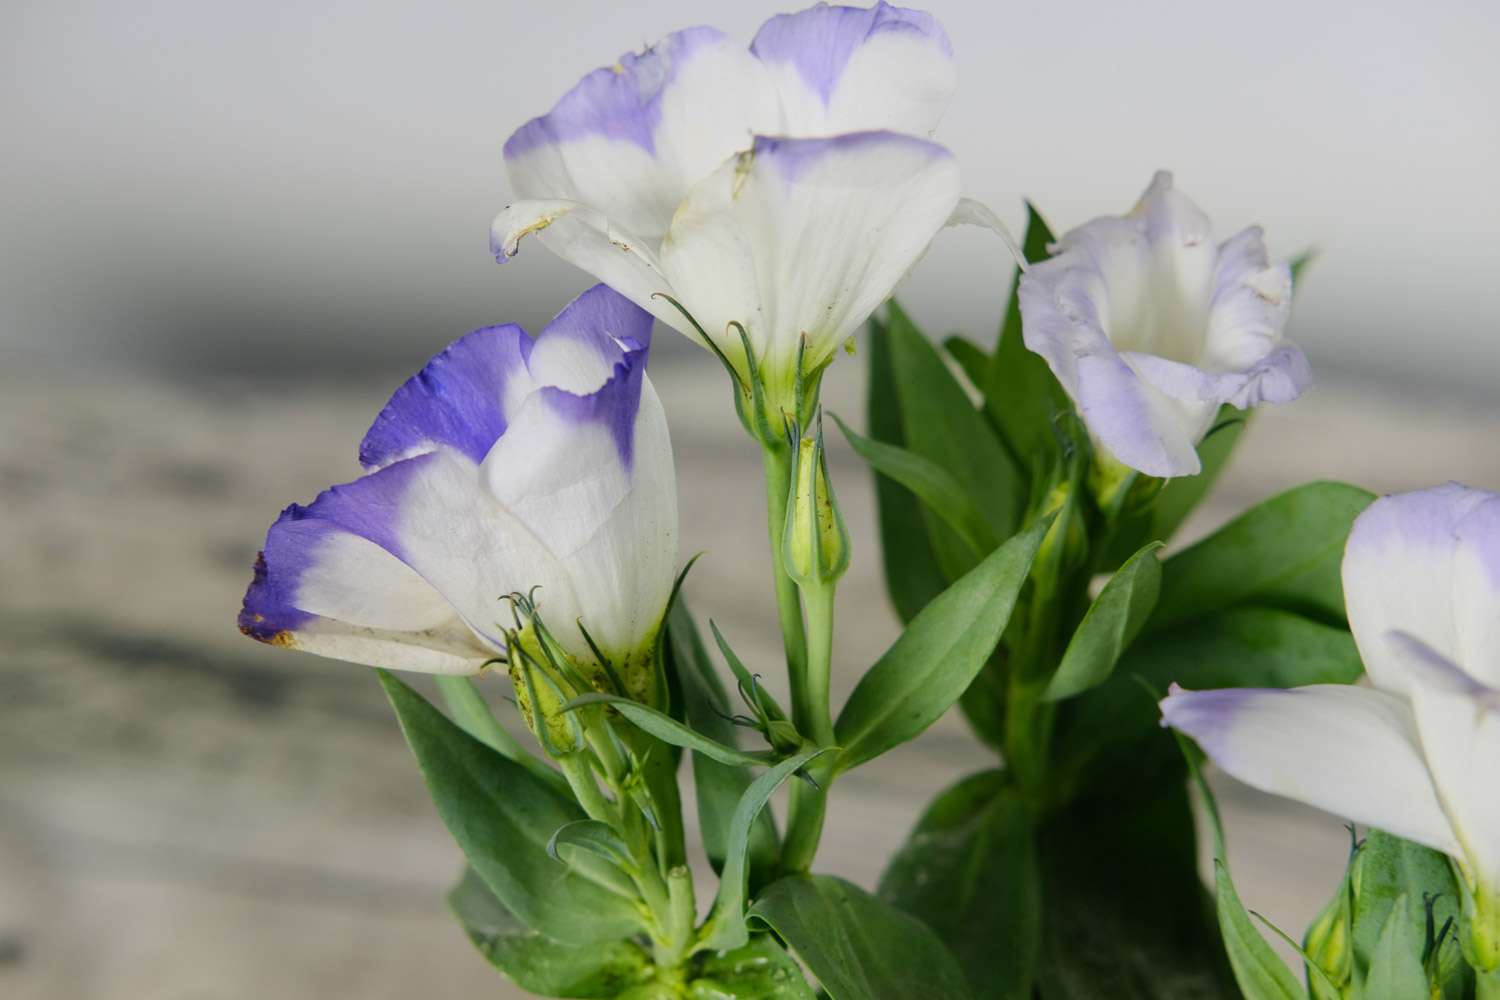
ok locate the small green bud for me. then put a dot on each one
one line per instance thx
(541, 697)
(1330, 944)
(815, 543)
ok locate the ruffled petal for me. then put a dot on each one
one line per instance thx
(807, 236)
(855, 69)
(1351, 751)
(630, 139)
(1400, 571)
(589, 240)
(460, 399)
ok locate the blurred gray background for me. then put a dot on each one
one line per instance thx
(293, 187)
(228, 231)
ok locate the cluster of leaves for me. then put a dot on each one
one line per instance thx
(1071, 871)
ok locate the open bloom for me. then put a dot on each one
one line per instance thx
(1151, 327)
(659, 176)
(1417, 753)
(505, 465)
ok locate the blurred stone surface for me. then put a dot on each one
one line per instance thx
(186, 815)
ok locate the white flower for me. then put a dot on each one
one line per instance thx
(1151, 327)
(658, 176)
(506, 464)
(1418, 753)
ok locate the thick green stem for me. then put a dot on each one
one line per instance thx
(794, 640)
(808, 804)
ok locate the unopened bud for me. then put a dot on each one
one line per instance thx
(815, 543)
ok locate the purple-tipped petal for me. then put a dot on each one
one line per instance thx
(583, 347)
(855, 69)
(459, 399)
(1350, 751)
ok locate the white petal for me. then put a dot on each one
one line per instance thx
(807, 236)
(1476, 590)
(1400, 575)
(630, 139)
(1351, 751)
(853, 69)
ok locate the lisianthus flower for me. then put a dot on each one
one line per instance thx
(1151, 327)
(505, 465)
(1417, 753)
(783, 190)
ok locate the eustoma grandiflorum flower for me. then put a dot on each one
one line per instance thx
(778, 194)
(1418, 753)
(1151, 327)
(505, 465)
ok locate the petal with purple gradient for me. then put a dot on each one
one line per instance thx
(1399, 572)
(460, 399)
(807, 236)
(856, 69)
(1476, 587)
(1351, 751)
(630, 139)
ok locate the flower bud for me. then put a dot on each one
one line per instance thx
(1330, 938)
(541, 698)
(815, 543)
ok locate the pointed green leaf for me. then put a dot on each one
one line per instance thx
(972, 359)
(858, 947)
(932, 484)
(1282, 553)
(969, 872)
(502, 817)
(912, 574)
(1110, 625)
(1178, 497)
(1020, 392)
(473, 715)
(725, 929)
(541, 964)
(1396, 962)
(932, 662)
(719, 786)
(1259, 970)
(669, 730)
(594, 836)
(941, 423)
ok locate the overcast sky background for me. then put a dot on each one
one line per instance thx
(288, 186)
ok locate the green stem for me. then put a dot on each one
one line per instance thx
(1486, 985)
(808, 805)
(794, 639)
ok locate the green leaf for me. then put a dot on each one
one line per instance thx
(725, 929)
(858, 947)
(1282, 553)
(1020, 392)
(931, 483)
(912, 574)
(1125, 915)
(969, 872)
(941, 423)
(669, 730)
(1391, 870)
(502, 817)
(538, 963)
(1108, 730)
(761, 970)
(719, 786)
(1260, 971)
(972, 359)
(473, 715)
(1110, 625)
(1179, 496)
(932, 662)
(594, 836)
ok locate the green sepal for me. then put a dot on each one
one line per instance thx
(858, 947)
(969, 871)
(931, 664)
(1391, 868)
(1396, 961)
(538, 963)
(1110, 625)
(669, 730)
(1285, 552)
(502, 817)
(725, 929)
